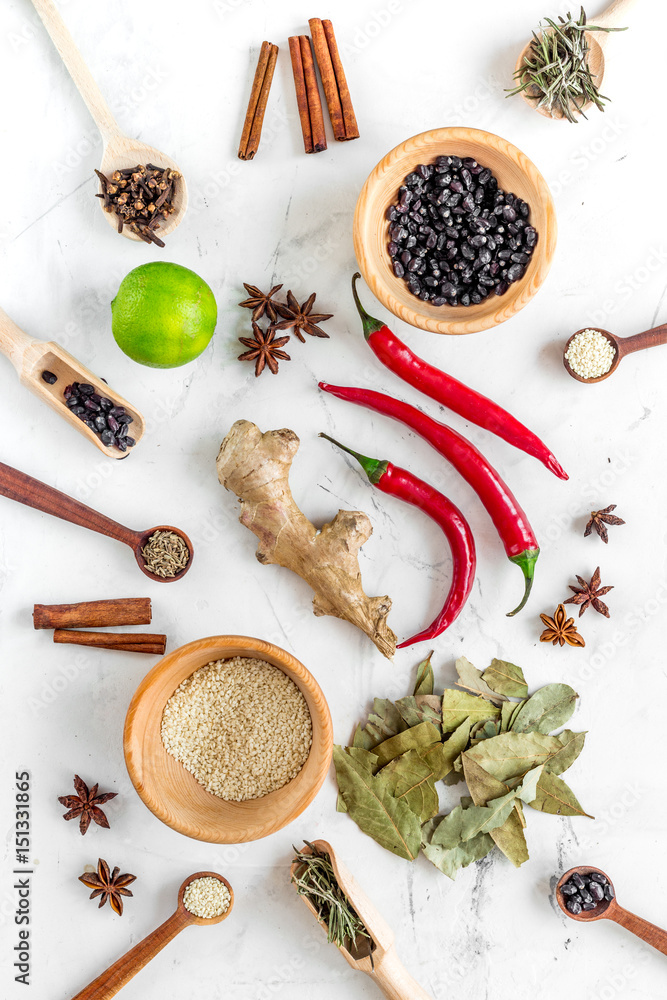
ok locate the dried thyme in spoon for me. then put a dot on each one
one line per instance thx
(315, 879)
(165, 554)
(555, 70)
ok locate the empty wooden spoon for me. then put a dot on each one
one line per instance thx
(613, 17)
(621, 345)
(24, 489)
(32, 357)
(383, 964)
(119, 150)
(610, 910)
(119, 974)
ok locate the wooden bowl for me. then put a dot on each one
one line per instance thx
(173, 794)
(514, 172)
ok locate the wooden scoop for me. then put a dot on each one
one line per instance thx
(610, 910)
(383, 964)
(119, 151)
(622, 346)
(119, 974)
(31, 357)
(613, 17)
(33, 493)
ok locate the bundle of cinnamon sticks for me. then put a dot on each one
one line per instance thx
(67, 619)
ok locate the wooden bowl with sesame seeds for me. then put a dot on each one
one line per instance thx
(173, 794)
(514, 172)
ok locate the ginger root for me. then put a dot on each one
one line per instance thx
(256, 467)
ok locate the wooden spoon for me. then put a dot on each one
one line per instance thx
(613, 17)
(610, 910)
(119, 150)
(33, 493)
(622, 346)
(383, 964)
(119, 974)
(31, 357)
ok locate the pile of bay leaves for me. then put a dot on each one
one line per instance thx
(486, 731)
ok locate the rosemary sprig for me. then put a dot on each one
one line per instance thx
(555, 70)
(315, 879)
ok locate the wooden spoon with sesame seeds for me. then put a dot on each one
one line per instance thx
(621, 345)
(120, 152)
(119, 974)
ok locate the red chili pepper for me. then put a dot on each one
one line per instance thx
(448, 391)
(502, 506)
(403, 485)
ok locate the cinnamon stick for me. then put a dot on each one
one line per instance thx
(95, 614)
(133, 642)
(259, 96)
(349, 118)
(313, 95)
(301, 96)
(328, 75)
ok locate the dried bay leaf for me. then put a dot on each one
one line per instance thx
(418, 736)
(464, 823)
(425, 680)
(420, 708)
(388, 820)
(441, 756)
(549, 708)
(367, 760)
(484, 730)
(483, 787)
(506, 678)
(507, 710)
(571, 746)
(511, 755)
(557, 798)
(517, 708)
(409, 777)
(472, 679)
(450, 861)
(457, 706)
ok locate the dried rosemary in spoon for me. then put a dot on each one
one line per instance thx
(315, 879)
(555, 71)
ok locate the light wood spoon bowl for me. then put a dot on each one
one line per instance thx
(610, 910)
(31, 357)
(109, 983)
(24, 489)
(613, 17)
(622, 346)
(383, 964)
(119, 150)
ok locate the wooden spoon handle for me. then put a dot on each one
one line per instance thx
(120, 973)
(394, 979)
(13, 341)
(613, 17)
(640, 341)
(655, 936)
(33, 493)
(77, 68)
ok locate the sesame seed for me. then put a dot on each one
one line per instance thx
(590, 354)
(206, 897)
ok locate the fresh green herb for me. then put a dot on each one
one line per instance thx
(503, 749)
(556, 72)
(315, 879)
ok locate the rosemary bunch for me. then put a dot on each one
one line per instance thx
(315, 879)
(555, 70)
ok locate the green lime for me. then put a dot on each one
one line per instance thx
(164, 315)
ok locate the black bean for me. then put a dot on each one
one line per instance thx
(399, 270)
(501, 287)
(72, 402)
(568, 889)
(105, 404)
(100, 422)
(596, 891)
(599, 877)
(93, 407)
(79, 410)
(609, 892)
(515, 272)
(121, 444)
(520, 258)
(586, 896)
(49, 377)
(117, 411)
(573, 906)
(577, 880)
(130, 442)
(68, 391)
(112, 423)
(85, 389)
(589, 906)
(107, 437)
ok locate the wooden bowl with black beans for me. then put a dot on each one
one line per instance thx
(455, 230)
(228, 739)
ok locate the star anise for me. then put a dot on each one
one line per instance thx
(589, 594)
(260, 302)
(598, 520)
(264, 349)
(560, 629)
(108, 885)
(85, 804)
(300, 318)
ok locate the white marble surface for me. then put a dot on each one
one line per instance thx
(182, 85)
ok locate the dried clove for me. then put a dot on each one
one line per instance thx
(130, 193)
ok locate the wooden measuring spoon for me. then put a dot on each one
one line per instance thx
(383, 964)
(119, 150)
(622, 346)
(613, 17)
(610, 910)
(119, 974)
(31, 357)
(33, 493)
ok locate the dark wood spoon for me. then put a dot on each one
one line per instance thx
(109, 983)
(33, 493)
(610, 910)
(622, 346)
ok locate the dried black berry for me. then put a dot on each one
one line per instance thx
(49, 377)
